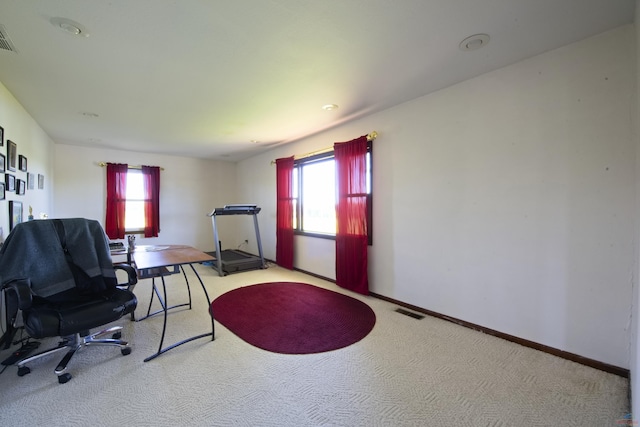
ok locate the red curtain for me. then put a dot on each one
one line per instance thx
(151, 179)
(284, 212)
(351, 213)
(116, 199)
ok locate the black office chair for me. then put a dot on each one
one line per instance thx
(59, 273)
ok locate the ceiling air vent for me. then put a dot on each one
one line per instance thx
(5, 41)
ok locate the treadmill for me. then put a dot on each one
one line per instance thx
(232, 261)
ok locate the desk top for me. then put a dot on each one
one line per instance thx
(167, 255)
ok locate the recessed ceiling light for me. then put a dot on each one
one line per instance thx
(329, 107)
(69, 26)
(474, 42)
(255, 141)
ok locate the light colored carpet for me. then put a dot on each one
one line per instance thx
(406, 372)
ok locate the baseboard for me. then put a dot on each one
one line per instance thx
(616, 370)
(531, 344)
(314, 275)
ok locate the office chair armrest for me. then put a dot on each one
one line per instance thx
(132, 276)
(21, 290)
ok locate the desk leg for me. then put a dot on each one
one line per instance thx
(206, 294)
(154, 290)
(166, 309)
(164, 320)
(163, 301)
(187, 282)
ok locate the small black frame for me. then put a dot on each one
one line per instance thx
(22, 163)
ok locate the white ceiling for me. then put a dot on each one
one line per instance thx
(203, 78)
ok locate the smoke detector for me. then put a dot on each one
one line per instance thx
(474, 42)
(69, 26)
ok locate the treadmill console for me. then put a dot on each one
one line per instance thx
(236, 210)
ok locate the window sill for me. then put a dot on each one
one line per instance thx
(140, 231)
(317, 235)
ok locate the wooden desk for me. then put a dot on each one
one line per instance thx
(152, 262)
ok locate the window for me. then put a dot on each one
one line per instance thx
(314, 192)
(133, 200)
(314, 187)
(134, 208)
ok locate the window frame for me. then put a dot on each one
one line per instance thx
(298, 164)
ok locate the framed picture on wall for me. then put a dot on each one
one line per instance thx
(20, 187)
(1, 136)
(1, 190)
(22, 163)
(15, 213)
(12, 155)
(31, 181)
(2, 165)
(40, 181)
(10, 182)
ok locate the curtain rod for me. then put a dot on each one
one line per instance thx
(103, 164)
(370, 137)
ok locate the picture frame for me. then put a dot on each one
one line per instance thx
(10, 182)
(20, 187)
(2, 163)
(40, 181)
(2, 194)
(12, 155)
(15, 213)
(1, 136)
(31, 181)
(22, 163)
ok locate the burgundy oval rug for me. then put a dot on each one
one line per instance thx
(293, 318)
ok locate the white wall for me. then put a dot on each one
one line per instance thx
(189, 189)
(635, 342)
(33, 143)
(36, 146)
(506, 200)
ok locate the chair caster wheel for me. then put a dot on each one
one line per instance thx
(125, 351)
(24, 370)
(64, 378)
(117, 335)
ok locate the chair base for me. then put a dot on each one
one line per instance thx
(73, 343)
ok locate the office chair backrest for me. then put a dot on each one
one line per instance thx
(58, 255)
